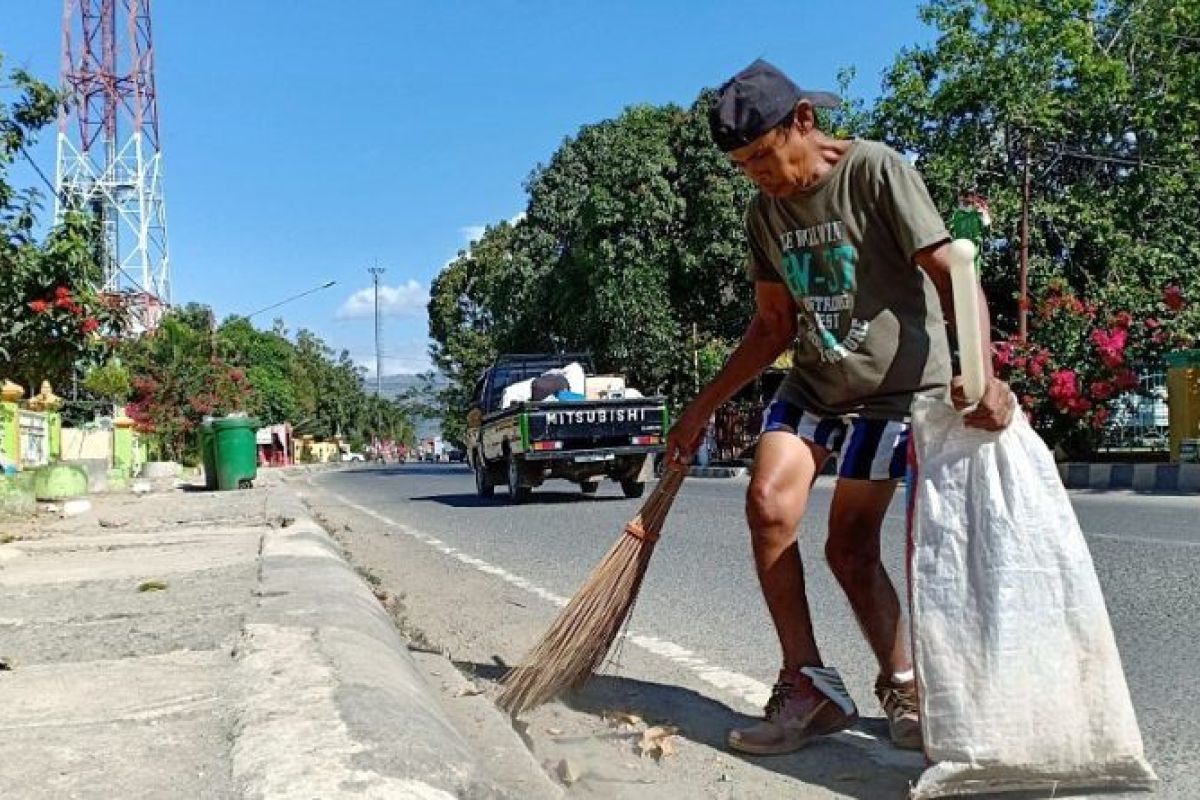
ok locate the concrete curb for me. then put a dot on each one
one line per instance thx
(333, 703)
(1162, 478)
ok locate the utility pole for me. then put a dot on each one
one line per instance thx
(376, 271)
(1023, 303)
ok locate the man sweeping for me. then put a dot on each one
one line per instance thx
(849, 261)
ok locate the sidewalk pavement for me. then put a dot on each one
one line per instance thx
(198, 644)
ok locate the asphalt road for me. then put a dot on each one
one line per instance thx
(701, 593)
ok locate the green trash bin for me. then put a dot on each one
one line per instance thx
(236, 452)
(208, 454)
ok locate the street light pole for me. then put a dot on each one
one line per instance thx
(376, 271)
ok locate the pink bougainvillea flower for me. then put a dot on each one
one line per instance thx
(1110, 345)
(1173, 297)
(1002, 355)
(1064, 385)
(1126, 380)
(1079, 406)
(39, 306)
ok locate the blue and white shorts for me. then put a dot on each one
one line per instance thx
(867, 449)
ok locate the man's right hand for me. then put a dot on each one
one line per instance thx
(683, 440)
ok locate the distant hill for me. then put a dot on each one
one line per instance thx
(394, 386)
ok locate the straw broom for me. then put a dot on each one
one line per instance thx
(575, 645)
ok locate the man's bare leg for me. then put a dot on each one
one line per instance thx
(853, 551)
(809, 700)
(784, 469)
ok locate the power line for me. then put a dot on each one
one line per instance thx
(38, 170)
(1126, 162)
(325, 285)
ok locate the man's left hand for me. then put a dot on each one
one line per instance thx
(994, 410)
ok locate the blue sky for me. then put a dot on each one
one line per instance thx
(304, 141)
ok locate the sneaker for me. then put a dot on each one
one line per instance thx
(899, 701)
(804, 704)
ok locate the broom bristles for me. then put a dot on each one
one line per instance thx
(576, 644)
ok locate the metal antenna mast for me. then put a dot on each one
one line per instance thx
(109, 150)
(376, 271)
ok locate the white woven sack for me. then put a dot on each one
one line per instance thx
(1020, 682)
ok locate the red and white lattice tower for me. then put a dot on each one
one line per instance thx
(109, 150)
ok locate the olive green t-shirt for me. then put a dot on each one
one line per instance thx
(871, 333)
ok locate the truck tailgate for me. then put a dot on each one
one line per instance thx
(603, 420)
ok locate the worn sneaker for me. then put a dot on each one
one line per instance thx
(805, 703)
(899, 701)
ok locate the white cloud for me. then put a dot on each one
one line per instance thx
(472, 233)
(409, 298)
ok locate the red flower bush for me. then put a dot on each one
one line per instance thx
(1084, 355)
(1110, 345)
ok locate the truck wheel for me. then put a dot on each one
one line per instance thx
(483, 481)
(516, 492)
(589, 487)
(632, 487)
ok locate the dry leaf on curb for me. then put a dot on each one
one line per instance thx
(468, 691)
(616, 718)
(554, 731)
(658, 742)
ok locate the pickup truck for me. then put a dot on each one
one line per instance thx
(583, 441)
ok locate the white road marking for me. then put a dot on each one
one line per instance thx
(740, 686)
(1115, 537)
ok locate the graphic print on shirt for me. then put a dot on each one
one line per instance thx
(819, 270)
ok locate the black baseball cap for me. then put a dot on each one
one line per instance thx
(755, 100)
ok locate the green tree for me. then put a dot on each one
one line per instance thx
(1100, 101)
(53, 322)
(269, 361)
(631, 248)
(178, 380)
